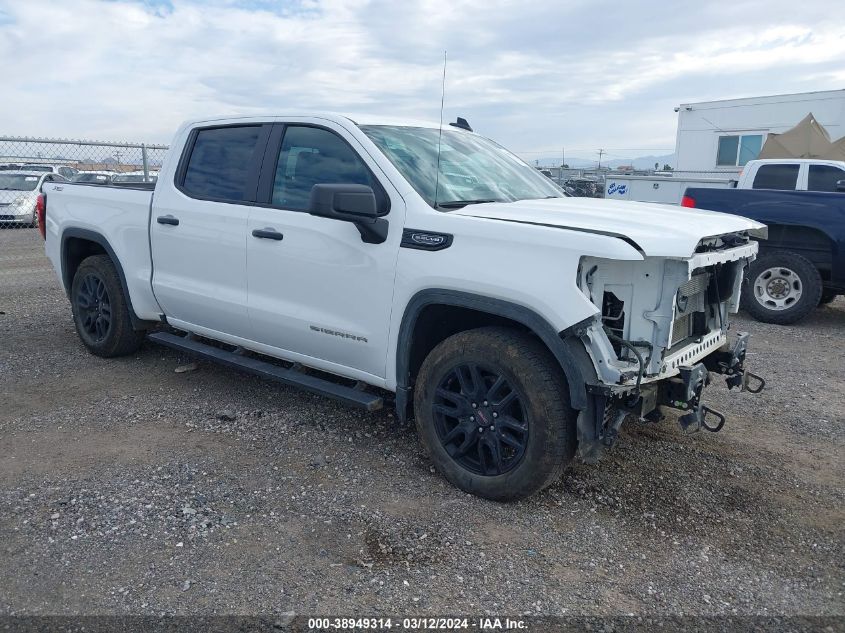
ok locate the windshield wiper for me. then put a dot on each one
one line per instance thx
(457, 204)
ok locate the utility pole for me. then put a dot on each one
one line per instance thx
(562, 163)
(601, 153)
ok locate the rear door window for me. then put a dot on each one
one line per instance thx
(219, 165)
(824, 177)
(782, 176)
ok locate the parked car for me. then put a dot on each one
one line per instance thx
(517, 326)
(583, 187)
(802, 264)
(63, 170)
(134, 177)
(757, 174)
(19, 193)
(94, 177)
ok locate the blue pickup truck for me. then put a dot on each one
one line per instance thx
(802, 263)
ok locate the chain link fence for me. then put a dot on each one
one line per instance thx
(27, 163)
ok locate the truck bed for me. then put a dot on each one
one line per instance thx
(120, 214)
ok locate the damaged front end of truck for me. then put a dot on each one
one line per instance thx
(662, 330)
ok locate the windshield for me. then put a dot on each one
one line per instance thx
(38, 167)
(18, 182)
(472, 168)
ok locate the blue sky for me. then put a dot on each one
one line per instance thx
(536, 76)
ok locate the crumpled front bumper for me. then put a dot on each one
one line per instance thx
(598, 427)
(685, 391)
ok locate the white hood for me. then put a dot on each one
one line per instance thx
(659, 230)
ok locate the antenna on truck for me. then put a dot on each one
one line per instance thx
(440, 130)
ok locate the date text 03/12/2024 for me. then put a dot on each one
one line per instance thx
(417, 624)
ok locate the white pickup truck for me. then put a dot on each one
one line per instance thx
(364, 258)
(812, 174)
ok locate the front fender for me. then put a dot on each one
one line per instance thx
(565, 346)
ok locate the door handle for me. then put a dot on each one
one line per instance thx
(167, 219)
(268, 234)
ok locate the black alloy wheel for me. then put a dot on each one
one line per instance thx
(491, 406)
(480, 419)
(101, 312)
(94, 305)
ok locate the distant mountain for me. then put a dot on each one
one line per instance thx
(641, 162)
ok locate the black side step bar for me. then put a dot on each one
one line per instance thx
(347, 395)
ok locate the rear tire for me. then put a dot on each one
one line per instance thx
(492, 411)
(100, 311)
(781, 287)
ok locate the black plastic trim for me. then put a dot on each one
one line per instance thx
(289, 376)
(91, 236)
(561, 348)
(267, 176)
(134, 186)
(268, 234)
(425, 240)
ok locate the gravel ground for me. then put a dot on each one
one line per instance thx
(126, 487)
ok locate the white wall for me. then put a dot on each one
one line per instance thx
(701, 124)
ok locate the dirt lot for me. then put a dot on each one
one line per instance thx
(128, 488)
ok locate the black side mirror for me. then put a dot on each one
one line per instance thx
(350, 203)
(840, 185)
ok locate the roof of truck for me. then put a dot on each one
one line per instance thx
(356, 118)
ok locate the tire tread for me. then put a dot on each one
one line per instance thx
(549, 392)
(123, 339)
(810, 279)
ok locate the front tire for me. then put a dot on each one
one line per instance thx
(827, 297)
(100, 311)
(782, 287)
(492, 411)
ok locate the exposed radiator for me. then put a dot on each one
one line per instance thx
(681, 329)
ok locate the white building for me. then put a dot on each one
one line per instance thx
(724, 135)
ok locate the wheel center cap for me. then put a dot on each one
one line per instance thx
(778, 288)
